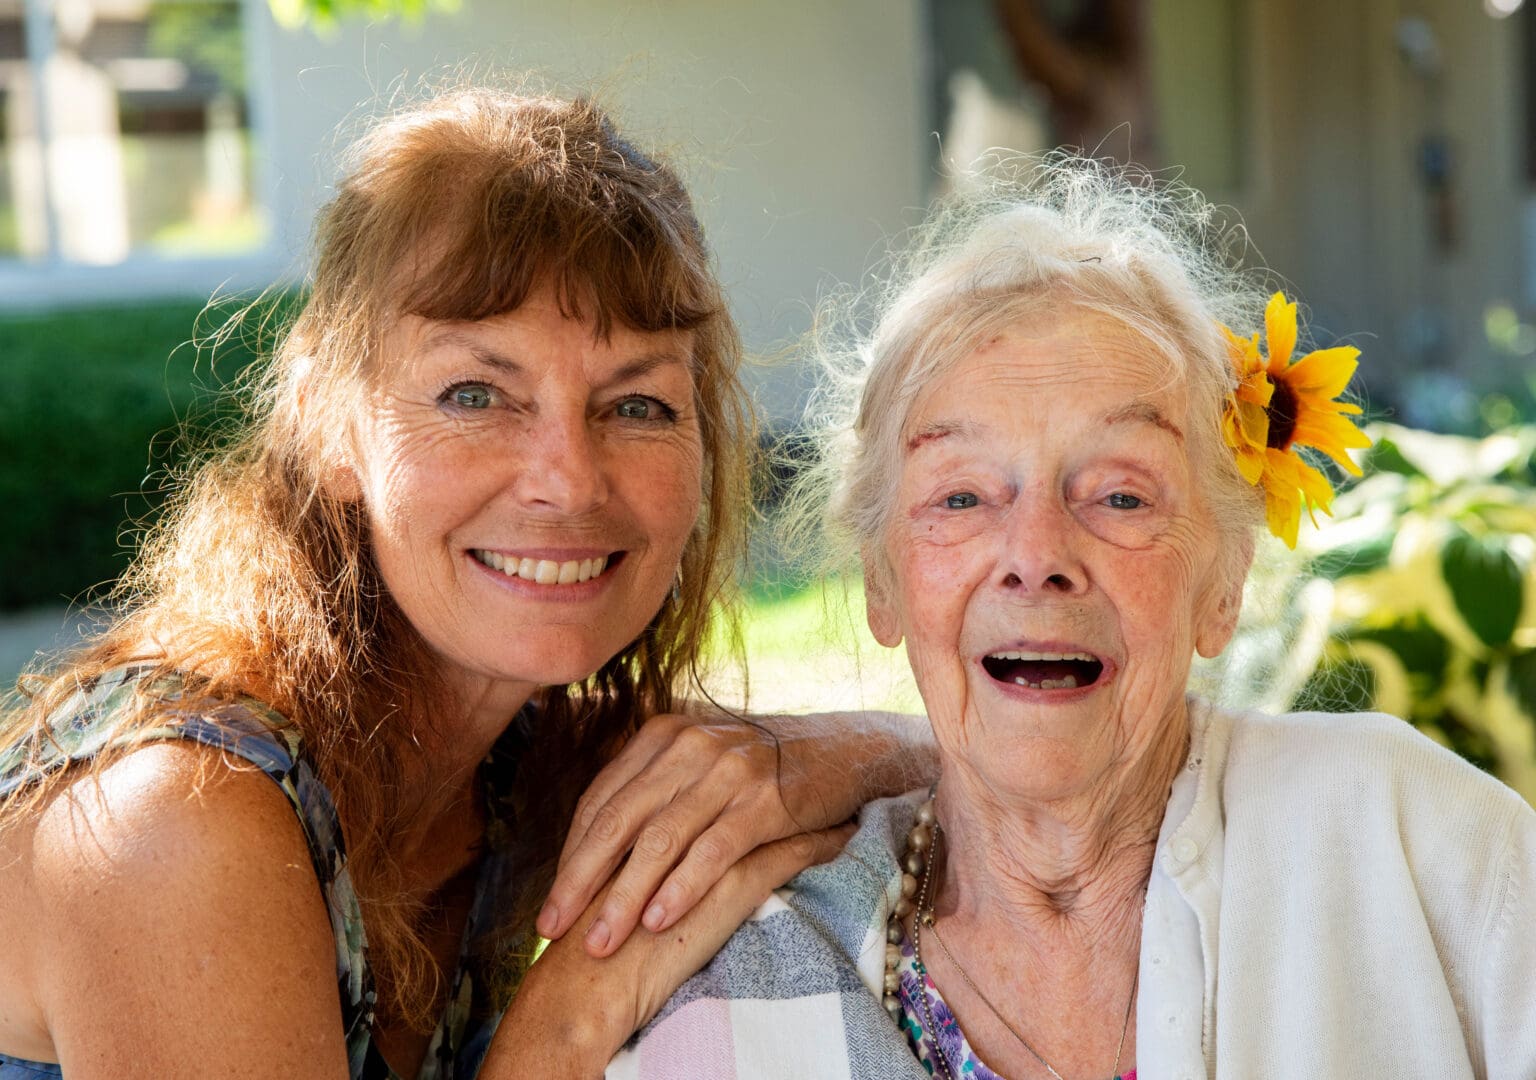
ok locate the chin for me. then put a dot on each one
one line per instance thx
(561, 666)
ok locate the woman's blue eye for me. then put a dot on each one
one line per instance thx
(472, 396)
(640, 407)
(1121, 501)
(962, 500)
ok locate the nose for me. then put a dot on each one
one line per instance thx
(1042, 541)
(561, 468)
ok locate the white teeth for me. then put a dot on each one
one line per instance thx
(544, 571)
(1067, 682)
(1087, 658)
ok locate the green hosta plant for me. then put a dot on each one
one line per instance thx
(1418, 599)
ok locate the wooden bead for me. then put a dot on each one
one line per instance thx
(915, 863)
(903, 908)
(892, 982)
(908, 886)
(893, 1006)
(893, 933)
(920, 838)
(892, 956)
(925, 814)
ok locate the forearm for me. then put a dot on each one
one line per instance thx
(868, 754)
(550, 1031)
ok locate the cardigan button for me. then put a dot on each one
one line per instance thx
(1185, 850)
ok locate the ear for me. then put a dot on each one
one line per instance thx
(335, 450)
(879, 606)
(340, 481)
(1224, 600)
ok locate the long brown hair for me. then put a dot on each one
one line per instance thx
(256, 580)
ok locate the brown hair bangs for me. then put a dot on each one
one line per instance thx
(560, 198)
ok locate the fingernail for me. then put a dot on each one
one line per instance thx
(549, 918)
(655, 917)
(597, 936)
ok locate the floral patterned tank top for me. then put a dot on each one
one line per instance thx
(254, 732)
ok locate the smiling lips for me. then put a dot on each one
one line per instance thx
(1044, 670)
(543, 571)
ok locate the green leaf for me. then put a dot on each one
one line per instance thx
(1359, 557)
(1385, 456)
(1522, 681)
(1486, 583)
(1418, 645)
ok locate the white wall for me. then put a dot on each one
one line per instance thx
(799, 124)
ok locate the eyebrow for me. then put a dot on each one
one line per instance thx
(640, 365)
(943, 429)
(1146, 413)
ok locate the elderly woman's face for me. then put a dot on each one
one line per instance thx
(530, 487)
(1051, 567)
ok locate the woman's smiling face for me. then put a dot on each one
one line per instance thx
(1048, 559)
(530, 487)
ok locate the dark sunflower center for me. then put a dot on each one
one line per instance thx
(1282, 417)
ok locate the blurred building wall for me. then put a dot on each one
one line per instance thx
(1387, 173)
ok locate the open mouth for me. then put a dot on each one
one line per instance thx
(1044, 670)
(548, 571)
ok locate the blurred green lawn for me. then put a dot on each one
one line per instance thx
(811, 650)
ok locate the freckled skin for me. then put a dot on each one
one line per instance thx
(1012, 525)
(459, 453)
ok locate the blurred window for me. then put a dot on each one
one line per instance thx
(125, 130)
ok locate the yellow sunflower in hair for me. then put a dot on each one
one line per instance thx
(1279, 406)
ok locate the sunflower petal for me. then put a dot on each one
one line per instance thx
(1257, 388)
(1325, 372)
(1253, 420)
(1283, 515)
(1315, 486)
(1333, 435)
(1280, 331)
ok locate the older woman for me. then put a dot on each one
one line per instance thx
(1053, 465)
(490, 492)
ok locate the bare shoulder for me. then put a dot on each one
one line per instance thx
(171, 924)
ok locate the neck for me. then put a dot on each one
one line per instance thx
(444, 821)
(1060, 867)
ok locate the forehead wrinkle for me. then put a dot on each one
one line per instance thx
(649, 362)
(447, 338)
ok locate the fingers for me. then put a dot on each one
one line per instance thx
(686, 801)
(666, 839)
(653, 737)
(608, 815)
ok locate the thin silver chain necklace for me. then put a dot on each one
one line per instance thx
(923, 916)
